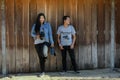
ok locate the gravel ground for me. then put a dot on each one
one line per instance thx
(98, 74)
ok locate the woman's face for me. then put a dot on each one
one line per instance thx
(42, 19)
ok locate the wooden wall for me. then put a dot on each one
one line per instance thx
(91, 19)
(0, 37)
(117, 27)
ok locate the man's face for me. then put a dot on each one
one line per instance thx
(67, 21)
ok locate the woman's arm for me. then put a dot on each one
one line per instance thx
(50, 35)
(33, 34)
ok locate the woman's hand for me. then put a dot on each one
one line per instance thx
(37, 37)
(52, 45)
(61, 47)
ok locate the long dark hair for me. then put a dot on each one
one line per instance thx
(38, 24)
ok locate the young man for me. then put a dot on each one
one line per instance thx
(66, 40)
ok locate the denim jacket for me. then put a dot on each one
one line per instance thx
(47, 30)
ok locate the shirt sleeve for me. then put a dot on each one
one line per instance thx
(50, 34)
(73, 30)
(33, 33)
(58, 31)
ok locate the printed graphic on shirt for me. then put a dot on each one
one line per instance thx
(66, 35)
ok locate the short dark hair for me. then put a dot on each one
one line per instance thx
(65, 17)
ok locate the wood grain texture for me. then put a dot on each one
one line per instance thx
(90, 18)
(117, 33)
(10, 36)
(101, 34)
(0, 37)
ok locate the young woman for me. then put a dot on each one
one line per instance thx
(42, 34)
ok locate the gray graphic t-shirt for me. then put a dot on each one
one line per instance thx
(66, 34)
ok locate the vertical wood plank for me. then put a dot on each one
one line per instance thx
(3, 39)
(19, 35)
(117, 35)
(10, 36)
(41, 6)
(107, 32)
(0, 37)
(80, 23)
(34, 60)
(94, 34)
(88, 33)
(25, 35)
(101, 36)
(113, 45)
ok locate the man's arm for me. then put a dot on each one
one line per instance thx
(73, 42)
(58, 39)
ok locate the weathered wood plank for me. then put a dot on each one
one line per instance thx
(87, 33)
(107, 32)
(94, 34)
(1, 37)
(81, 35)
(25, 35)
(34, 60)
(117, 33)
(10, 37)
(19, 35)
(41, 6)
(101, 35)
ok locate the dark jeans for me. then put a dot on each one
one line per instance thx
(42, 59)
(72, 56)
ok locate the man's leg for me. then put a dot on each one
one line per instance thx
(63, 52)
(72, 56)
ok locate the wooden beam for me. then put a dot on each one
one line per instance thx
(112, 34)
(4, 71)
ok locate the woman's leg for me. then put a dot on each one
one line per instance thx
(39, 48)
(42, 64)
(45, 51)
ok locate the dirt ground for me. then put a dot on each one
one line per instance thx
(98, 74)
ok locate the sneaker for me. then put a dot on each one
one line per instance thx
(77, 72)
(42, 74)
(63, 72)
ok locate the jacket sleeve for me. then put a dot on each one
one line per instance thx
(33, 34)
(50, 34)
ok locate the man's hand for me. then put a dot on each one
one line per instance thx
(72, 46)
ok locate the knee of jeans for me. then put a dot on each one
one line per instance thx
(45, 51)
